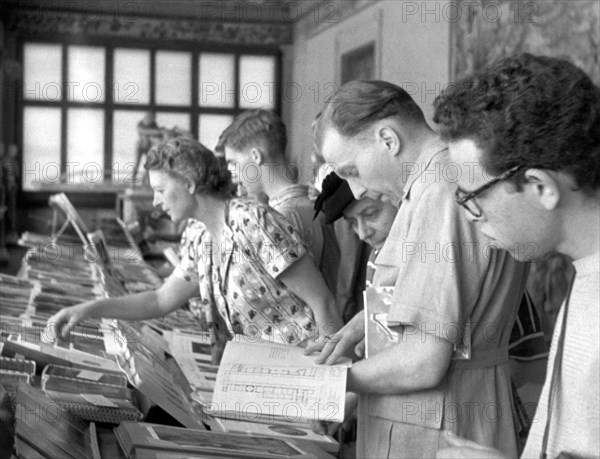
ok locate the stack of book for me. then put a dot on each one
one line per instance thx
(17, 295)
(83, 351)
(45, 430)
(39, 242)
(258, 403)
(136, 276)
(146, 360)
(59, 268)
(82, 393)
(142, 440)
(289, 431)
(14, 372)
(192, 351)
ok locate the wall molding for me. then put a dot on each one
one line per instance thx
(31, 22)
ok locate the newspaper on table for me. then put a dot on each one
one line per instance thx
(267, 382)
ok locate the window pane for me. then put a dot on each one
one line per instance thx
(173, 78)
(85, 146)
(216, 86)
(125, 144)
(86, 74)
(42, 75)
(171, 120)
(257, 82)
(131, 76)
(210, 128)
(41, 146)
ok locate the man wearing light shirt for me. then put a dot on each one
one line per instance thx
(528, 129)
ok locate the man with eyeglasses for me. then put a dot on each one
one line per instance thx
(528, 129)
(454, 296)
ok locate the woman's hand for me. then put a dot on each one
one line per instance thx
(341, 343)
(61, 323)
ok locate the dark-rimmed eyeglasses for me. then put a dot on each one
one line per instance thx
(466, 199)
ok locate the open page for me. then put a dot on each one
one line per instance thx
(266, 382)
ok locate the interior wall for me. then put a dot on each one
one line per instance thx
(412, 50)
(485, 32)
(489, 31)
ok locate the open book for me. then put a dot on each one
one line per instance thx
(266, 382)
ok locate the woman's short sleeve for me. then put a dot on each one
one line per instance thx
(190, 251)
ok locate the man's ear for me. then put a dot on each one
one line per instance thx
(390, 138)
(257, 155)
(543, 187)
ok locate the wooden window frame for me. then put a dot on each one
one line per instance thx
(109, 106)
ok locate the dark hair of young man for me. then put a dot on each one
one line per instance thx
(531, 111)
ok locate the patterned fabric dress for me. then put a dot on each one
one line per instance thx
(243, 290)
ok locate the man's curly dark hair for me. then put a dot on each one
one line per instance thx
(531, 111)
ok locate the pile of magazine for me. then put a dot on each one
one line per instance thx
(91, 395)
(142, 440)
(45, 430)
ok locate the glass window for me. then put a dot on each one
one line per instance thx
(125, 144)
(257, 82)
(85, 81)
(72, 131)
(85, 146)
(172, 120)
(131, 80)
(217, 80)
(173, 77)
(42, 72)
(210, 128)
(41, 146)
